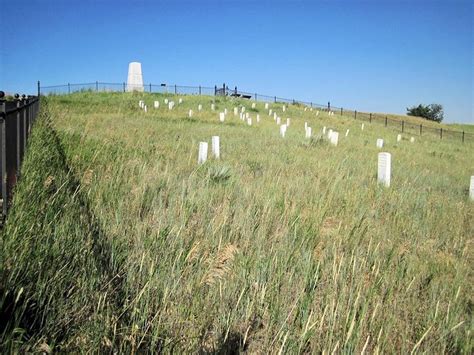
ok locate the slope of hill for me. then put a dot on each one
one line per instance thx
(119, 241)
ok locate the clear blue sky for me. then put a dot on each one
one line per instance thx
(378, 56)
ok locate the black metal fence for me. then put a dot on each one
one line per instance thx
(389, 122)
(16, 119)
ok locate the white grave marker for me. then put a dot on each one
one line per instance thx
(362, 127)
(412, 139)
(199, 107)
(334, 138)
(180, 101)
(317, 113)
(278, 119)
(236, 111)
(166, 101)
(379, 143)
(283, 130)
(144, 108)
(171, 105)
(156, 104)
(247, 115)
(190, 113)
(347, 133)
(258, 118)
(399, 138)
(308, 132)
(243, 109)
(249, 121)
(225, 111)
(270, 112)
(384, 169)
(471, 189)
(284, 108)
(221, 116)
(216, 147)
(202, 152)
(266, 106)
(213, 107)
(305, 125)
(324, 130)
(253, 105)
(329, 133)
(288, 122)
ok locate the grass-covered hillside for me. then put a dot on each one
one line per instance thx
(118, 241)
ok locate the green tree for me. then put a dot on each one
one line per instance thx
(433, 112)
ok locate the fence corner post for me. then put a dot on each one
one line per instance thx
(39, 88)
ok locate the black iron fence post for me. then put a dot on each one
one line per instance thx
(440, 133)
(39, 88)
(3, 160)
(403, 126)
(342, 110)
(386, 119)
(199, 89)
(275, 99)
(175, 89)
(421, 129)
(18, 134)
(463, 136)
(123, 84)
(355, 114)
(256, 99)
(150, 88)
(370, 118)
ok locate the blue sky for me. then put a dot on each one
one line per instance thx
(374, 56)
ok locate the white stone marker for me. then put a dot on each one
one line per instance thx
(288, 122)
(266, 106)
(274, 115)
(311, 109)
(140, 103)
(243, 109)
(324, 130)
(156, 104)
(202, 152)
(330, 133)
(144, 108)
(171, 105)
(347, 133)
(471, 189)
(379, 143)
(384, 169)
(283, 130)
(241, 116)
(236, 111)
(334, 138)
(216, 147)
(317, 113)
(399, 138)
(247, 115)
(180, 101)
(270, 112)
(249, 121)
(199, 107)
(305, 109)
(258, 118)
(284, 108)
(225, 111)
(305, 125)
(221, 116)
(253, 104)
(412, 139)
(213, 107)
(278, 120)
(190, 113)
(135, 77)
(308, 132)
(166, 101)
(362, 127)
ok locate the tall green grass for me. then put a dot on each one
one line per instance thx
(119, 241)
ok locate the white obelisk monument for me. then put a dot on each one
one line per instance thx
(135, 77)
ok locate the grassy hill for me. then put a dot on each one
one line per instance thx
(119, 241)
